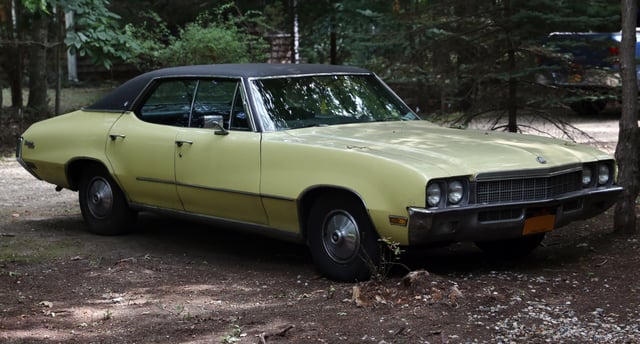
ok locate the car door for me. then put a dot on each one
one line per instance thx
(218, 169)
(142, 144)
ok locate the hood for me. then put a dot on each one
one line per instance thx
(453, 151)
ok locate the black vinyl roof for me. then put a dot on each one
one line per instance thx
(122, 97)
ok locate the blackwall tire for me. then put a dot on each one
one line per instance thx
(343, 243)
(104, 208)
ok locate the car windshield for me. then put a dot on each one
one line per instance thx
(321, 100)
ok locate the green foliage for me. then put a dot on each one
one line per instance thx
(390, 254)
(108, 315)
(202, 44)
(275, 18)
(354, 23)
(148, 47)
(234, 335)
(457, 51)
(35, 5)
(223, 36)
(98, 33)
(464, 52)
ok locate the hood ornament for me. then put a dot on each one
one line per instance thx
(541, 160)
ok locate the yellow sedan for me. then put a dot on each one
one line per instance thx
(324, 155)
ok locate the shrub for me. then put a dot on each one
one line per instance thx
(219, 38)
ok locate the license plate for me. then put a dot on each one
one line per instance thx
(539, 224)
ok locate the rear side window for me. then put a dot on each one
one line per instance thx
(169, 103)
(195, 103)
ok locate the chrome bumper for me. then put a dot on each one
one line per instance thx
(24, 164)
(504, 221)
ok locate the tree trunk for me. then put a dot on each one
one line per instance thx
(333, 53)
(628, 138)
(38, 99)
(11, 60)
(512, 101)
(58, 52)
(295, 32)
(13, 68)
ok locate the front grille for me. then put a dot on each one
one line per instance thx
(527, 189)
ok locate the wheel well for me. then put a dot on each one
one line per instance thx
(76, 168)
(310, 196)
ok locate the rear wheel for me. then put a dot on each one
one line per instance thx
(511, 248)
(342, 240)
(103, 205)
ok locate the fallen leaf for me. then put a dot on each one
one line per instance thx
(454, 293)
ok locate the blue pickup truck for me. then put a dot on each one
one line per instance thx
(586, 65)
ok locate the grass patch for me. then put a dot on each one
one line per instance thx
(35, 250)
(71, 98)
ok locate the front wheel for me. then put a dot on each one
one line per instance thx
(103, 205)
(511, 248)
(342, 240)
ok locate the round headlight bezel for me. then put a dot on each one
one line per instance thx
(604, 174)
(455, 192)
(434, 195)
(587, 176)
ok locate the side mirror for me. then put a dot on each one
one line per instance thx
(215, 122)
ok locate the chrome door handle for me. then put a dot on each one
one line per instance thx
(115, 136)
(179, 143)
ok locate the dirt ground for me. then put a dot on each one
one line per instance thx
(180, 282)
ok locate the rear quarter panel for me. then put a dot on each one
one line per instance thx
(57, 141)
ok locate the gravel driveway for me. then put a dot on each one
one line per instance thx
(179, 282)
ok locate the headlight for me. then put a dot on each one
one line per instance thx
(455, 192)
(434, 194)
(604, 174)
(587, 176)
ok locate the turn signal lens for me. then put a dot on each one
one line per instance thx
(398, 220)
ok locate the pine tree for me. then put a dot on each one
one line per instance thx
(629, 136)
(472, 55)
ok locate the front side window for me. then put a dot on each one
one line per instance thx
(297, 102)
(196, 103)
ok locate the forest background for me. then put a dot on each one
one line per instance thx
(453, 59)
(456, 55)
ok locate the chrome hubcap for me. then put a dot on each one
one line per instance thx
(340, 236)
(99, 198)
